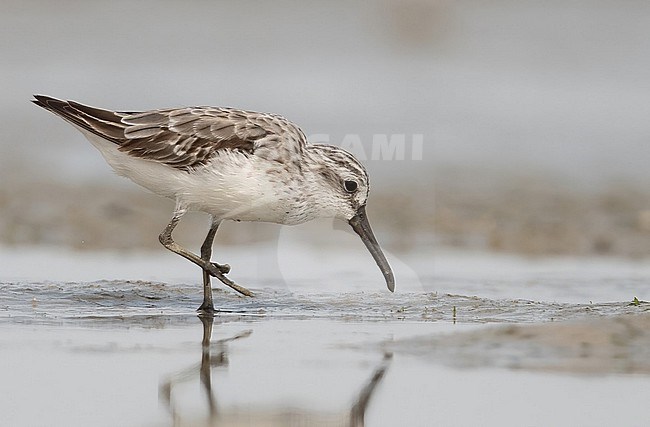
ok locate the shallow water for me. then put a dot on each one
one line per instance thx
(136, 301)
(307, 351)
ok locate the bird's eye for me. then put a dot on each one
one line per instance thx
(350, 186)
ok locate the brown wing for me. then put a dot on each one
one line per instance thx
(183, 138)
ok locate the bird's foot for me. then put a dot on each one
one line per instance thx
(206, 309)
(215, 271)
(223, 268)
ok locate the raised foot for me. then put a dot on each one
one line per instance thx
(213, 270)
(223, 268)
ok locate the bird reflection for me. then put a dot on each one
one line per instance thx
(280, 416)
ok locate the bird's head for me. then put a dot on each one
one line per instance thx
(347, 189)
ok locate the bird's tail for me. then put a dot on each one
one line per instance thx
(104, 123)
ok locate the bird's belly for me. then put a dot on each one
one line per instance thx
(233, 186)
(238, 187)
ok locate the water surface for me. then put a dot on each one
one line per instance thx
(312, 350)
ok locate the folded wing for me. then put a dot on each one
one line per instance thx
(183, 138)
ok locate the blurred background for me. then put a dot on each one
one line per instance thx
(524, 127)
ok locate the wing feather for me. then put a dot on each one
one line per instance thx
(184, 138)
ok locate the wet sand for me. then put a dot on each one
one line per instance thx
(312, 351)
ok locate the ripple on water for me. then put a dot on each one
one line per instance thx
(124, 301)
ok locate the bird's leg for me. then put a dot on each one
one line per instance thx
(206, 253)
(167, 241)
(206, 247)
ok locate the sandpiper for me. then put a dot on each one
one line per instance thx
(232, 164)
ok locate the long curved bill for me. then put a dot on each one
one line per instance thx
(361, 226)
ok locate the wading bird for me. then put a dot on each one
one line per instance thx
(232, 164)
